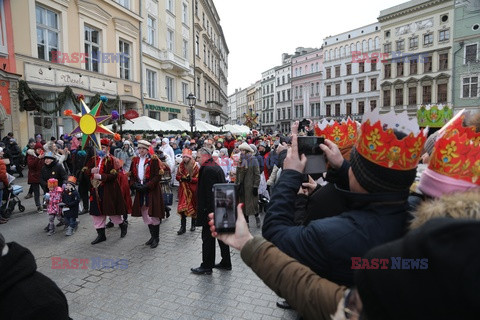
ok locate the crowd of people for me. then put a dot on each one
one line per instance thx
(322, 237)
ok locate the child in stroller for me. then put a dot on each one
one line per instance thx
(10, 195)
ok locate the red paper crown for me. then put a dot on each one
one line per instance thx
(343, 134)
(105, 142)
(72, 179)
(456, 153)
(187, 153)
(379, 144)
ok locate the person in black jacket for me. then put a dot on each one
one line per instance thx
(210, 173)
(16, 156)
(25, 293)
(79, 160)
(52, 169)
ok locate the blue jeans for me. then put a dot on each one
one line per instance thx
(72, 222)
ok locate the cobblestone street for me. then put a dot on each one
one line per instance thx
(150, 283)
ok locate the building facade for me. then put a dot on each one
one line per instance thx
(350, 81)
(211, 63)
(251, 99)
(417, 43)
(267, 115)
(232, 108)
(167, 61)
(283, 98)
(241, 105)
(466, 53)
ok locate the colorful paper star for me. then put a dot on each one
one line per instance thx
(90, 124)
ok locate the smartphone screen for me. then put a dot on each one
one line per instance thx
(310, 147)
(225, 215)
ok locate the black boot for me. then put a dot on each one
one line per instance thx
(100, 236)
(183, 225)
(156, 236)
(123, 229)
(192, 228)
(149, 242)
(109, 224)
(167, 212)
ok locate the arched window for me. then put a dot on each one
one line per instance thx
(370, 44)
(359, 48)
(347, 53)
(336, 53)
(331, 55)
(342, 53)
(377, 43)
(364, 46)
(352, 47)
(325, 57)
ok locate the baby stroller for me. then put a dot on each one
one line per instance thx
(11, 196)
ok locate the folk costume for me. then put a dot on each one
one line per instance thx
(145, 176)
(105, 195)
(187, 191)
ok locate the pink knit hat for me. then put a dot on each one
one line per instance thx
(435, 185)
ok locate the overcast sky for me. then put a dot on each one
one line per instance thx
(259, 31)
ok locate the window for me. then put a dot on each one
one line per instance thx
(399, 69)
(328, 110)
(317, 91)
(413, 42)
(337, 71)
(185, 13)
(203, 19)
(329, 73)
(169, 6)
(442, 93)
(443, 35)
(470, 87)
(399, 97)
(278, 81)
(401, 45)
(296, 92)
(373, 84)
(427, 64)
(312, 87)
(170, 40)
(337, 89)
(47, 33)
(471, 53)
(361, 107)
(361, 67)
(428, 39)
(388, 71)
(443, 61)
(387, 47)
(185, 49)
(361, 85)
(427, 94)
(205, 90)
(198, 89)
(185, 93)
(124, 3)
(125, 59)
(317, 109)
(278, 114)
(373, 66)
(151, 84)
(349, 69)
(196, 7)
(288, 94)
(283, 95)
(278, 96)
(92, 48)
(373, 104)
(412, 96)
(329, 91)
(349, 87)
(283, 113)
(197, 45)
(386, 98)
(151, 30)
(349, 108)
(413, 66)
(169, 88)
(337, 109)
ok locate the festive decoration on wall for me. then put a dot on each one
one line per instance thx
(434, 116)
(90, 123)
(251, 119)
(32, 101)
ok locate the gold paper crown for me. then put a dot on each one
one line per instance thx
(343, 134)
(379, 144)
(456, 153)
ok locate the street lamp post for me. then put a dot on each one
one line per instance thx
(192, 100)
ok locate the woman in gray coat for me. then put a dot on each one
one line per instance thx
(248, 180)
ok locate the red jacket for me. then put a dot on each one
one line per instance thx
(35, 165)
(229, 144)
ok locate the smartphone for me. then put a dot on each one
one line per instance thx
(310, 147)
(226, 200)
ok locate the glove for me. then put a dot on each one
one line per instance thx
(188, 179)
(142, 188)
(255, 192)
(133, 187)
(97, 176)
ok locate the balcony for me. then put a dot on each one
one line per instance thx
(214, 108)
(168, 60)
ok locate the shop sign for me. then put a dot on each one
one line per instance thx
(161, 108)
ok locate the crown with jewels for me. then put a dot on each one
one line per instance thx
(343, 134)
(379, 144)
(456, 153)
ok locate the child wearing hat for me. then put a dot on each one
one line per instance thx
(71, 200)
(53, 208)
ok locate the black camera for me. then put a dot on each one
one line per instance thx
(302, 126)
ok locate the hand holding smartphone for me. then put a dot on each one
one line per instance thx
(310, 147)
(225, 214)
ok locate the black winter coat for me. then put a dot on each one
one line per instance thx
(210, 173)
(71, 200)
(25, 293)
(54, 170)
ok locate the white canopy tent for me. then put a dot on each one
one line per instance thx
(200, 126)
(179, 125)
(206, 127)
(145, 123)
(236, 129)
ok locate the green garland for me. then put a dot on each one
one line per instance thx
(25, 90)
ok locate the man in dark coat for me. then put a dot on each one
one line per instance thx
(79, 160)
(16, 157)
(35, 163)
(210, 173)
(145, 175)
(25, 293)
(52, 169)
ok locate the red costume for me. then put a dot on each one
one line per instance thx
(187, 191)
